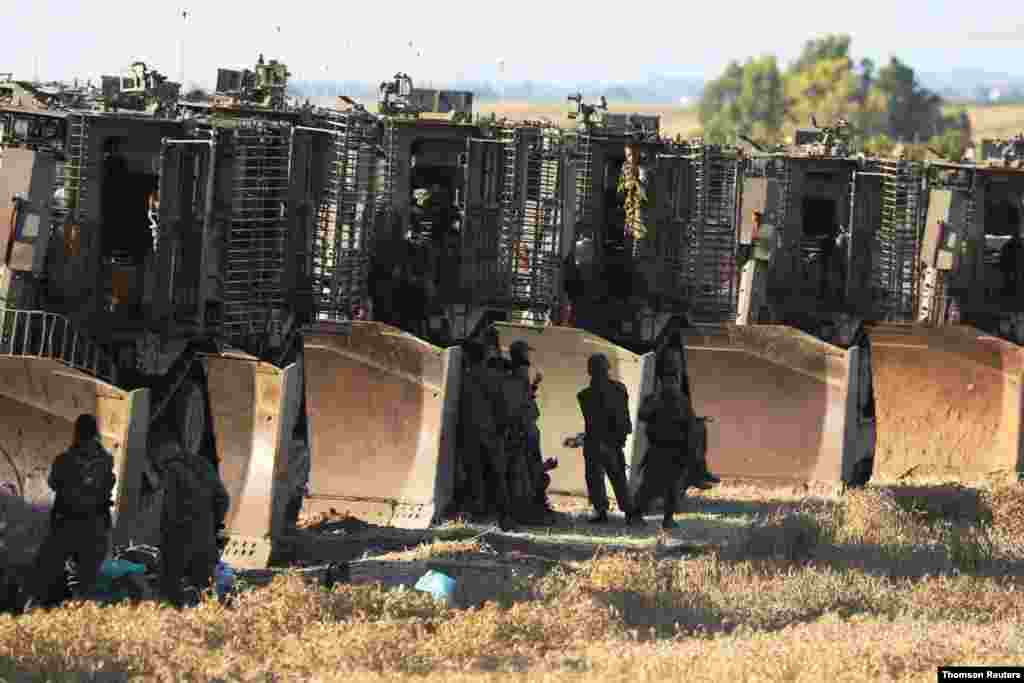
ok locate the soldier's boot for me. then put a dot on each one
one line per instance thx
(635, 519)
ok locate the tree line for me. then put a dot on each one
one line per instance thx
(885, 107)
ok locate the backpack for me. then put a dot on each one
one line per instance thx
(91, 482)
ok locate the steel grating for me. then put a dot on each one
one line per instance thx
(895, 270)
(711, 272)
(347, 216)
(255, 245)
(512, 246)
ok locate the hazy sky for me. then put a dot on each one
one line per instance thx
(564, 40)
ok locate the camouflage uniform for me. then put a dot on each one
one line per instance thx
(671, 360)
(536, 478)
(669, 418)
(78, 529)
(605, 408)
(633, 186)
(194, 508)
(483, 419)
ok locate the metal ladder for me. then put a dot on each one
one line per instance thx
(897, 272)
(73, 172)
(346, 218)
(584, 179)
(712, 272)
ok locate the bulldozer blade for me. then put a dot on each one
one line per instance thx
(40, 399)
(784, 403)
(560, 354)
(254, 406)
(382, 408)
(949, 402)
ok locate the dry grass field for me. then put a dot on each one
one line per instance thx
(756, 584)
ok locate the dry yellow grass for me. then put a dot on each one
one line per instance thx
(988, 121)
(880, 584)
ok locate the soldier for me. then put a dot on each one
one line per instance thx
(194, 507)
(535, 486)
(83, 479)
(605, 408)
(671, 360)
(669, 418)
(484, 417)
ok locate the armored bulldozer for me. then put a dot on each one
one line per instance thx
(432, 228)
(680, 272)
(948, 361)
(912, 254)
(809, 215)
(155, 276)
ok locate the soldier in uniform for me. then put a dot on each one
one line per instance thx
(633, 187)
(83, 479)
(535, 479)
(671, 360)
(194, 508)
(669, 418)
(605, 408)
(485, 418)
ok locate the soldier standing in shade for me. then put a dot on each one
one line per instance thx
(605, 407)
(671, 360)
(534, 502)
(83, 479)
(194, 508)
(485, 418)
(668, 417)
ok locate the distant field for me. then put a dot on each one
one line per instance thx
(988, 121)
(998, 121)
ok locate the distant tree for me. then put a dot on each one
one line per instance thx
(747, 100)
(830, 89)
(915, 113)
(829, 47)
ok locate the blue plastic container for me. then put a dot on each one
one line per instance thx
(441, 586)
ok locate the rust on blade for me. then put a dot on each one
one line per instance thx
(41, 399)
(779, 399)
(949, 401)
(382, 411)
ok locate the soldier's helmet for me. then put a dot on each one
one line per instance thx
(597, 365)
(85, 429)
(519, 352)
